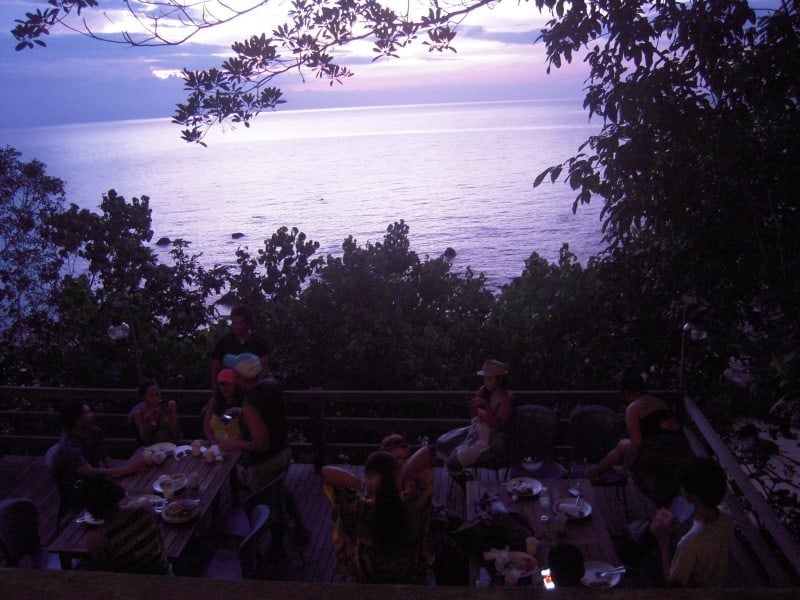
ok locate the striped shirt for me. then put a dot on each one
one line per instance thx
(135, 544)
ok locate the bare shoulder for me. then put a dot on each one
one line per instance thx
(501, 395)
(643, 405)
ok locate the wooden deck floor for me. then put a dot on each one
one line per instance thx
(25, 476)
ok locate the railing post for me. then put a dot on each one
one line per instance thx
(318, 441)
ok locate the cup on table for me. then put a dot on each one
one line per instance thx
(531, 545)
(197, 446)
(511, 576)
(210, 456)
(168, 487)
(560, 523)
(147, 457)
(194, 480)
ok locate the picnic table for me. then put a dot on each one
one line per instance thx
(589, 533)
(211, 476)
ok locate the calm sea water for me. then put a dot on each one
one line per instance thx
(460, 175)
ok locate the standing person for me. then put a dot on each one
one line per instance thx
(81, 451)
(128, 541)
(240, 339)
(485, 437)
(264, 441)
(223, 406)
(701, 556)
(154, 420)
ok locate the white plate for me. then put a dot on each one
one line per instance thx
(180, 480)
(166, 447)
(191, 508)
(89, 519)
(516, 558)
(182, 451)
(584, 507)
(531, 465)
(523, 486)
(590, 578)
(156, 502)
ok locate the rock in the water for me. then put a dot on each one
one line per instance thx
(237, 236)
(449, 252)
(164, 241)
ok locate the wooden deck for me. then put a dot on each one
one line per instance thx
(27, 476)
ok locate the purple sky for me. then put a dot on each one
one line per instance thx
(76, 79)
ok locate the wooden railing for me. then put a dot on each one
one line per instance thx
(328, 425)
(750, 504)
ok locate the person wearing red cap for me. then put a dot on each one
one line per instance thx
(221, 414)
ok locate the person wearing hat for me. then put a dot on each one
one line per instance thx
(264, 440)
(221, 414)
(485, 436)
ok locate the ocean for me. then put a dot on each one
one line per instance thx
(461, 175)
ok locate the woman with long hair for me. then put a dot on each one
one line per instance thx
(372, 521)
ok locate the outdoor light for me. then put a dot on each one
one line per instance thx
(119, 332)
(695, 333)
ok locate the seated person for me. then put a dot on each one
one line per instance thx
(129, 540)
(81, 451)
(420, 481)
(566, 565)
(656, 451)
(383, 540)
(485, 437)
(223, 403)
(701, 556)
(154, 420)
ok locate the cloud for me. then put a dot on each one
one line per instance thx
(495, 52)
(166, 73)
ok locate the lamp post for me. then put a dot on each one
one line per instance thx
(695, 333)
(122, 331)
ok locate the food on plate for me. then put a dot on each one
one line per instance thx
(178, 510)
(520, 488)
(522, 561)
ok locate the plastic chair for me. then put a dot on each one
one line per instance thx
(533, 436)
(19, 533)
(249, 555)
(594, 431)
(283, 509)
(67, 507)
